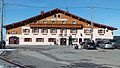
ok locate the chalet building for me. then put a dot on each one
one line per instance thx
(55, 27)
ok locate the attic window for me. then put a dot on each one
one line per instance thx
(44, 21)
(73, 22)
(63, 22)
(58, 15)
(87, 24)
(35, 21)
(53, 22)
(55, 15)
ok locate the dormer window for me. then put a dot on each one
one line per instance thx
(35, 21)
(44, 21)
(87, 24)
(73, 22)
(59, 16)
(63, 22)
(53, 22)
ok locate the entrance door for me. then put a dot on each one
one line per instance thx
(80, 40)
(14, 40)
(63, 41)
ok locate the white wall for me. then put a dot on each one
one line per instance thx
(107, 35)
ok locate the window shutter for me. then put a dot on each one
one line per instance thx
(28, 30)
(38, 30)
(50, 30)
(98, 31)
(55, 30)
(42, 39)
(76, 30)
(60, 30)
(23, 30)
(84, 30)
(70, 30)
(46, 30)
(104, 31)
(76, 39)
(41, 30)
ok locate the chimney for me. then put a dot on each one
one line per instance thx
(42, 12)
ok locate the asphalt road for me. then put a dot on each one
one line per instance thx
(63, 57)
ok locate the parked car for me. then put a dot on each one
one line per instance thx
(117, 45)
(2, 44)
(106, 45)
(89, 45)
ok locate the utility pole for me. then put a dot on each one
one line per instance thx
(91, 16)
(1, 24)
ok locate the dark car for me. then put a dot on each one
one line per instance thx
(117, 45)
(89, 45)
(2, 44)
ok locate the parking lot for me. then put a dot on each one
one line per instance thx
(64, 57)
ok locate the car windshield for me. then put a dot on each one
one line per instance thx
(90, 43)
(107, 43)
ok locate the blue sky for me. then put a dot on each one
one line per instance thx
(103, 16)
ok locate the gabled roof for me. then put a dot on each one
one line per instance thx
(43, 15)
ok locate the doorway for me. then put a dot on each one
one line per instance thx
(63, 41)
(80, 40)
(13, 40)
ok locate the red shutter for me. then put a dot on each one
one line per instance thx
(84, 30)
(47, 30)
(55, 30)
(76, 30)
(76, 39)
(61, 31)
(42, 39)
(104, 31)
(41, 30)
(50, 30)
(28, 30)
(38, 30)
(23, 30)
(98, 31)
(70, 30)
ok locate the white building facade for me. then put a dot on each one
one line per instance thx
(58, 28)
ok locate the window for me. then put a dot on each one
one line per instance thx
(51, 39)
(26, 30)
(53, 30)
(35, 30)
(13, 32)
(58, 15)
(27, 39)
(55, 15)
(73, 22)
(87, 24)
(44, 30)
(63, 22)
(35, 21)
(101, 31)
(74, 39)
(44, 21)
(39, 39)
(74, 30)
(64, 30)
(87, 31)
(53, 22)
